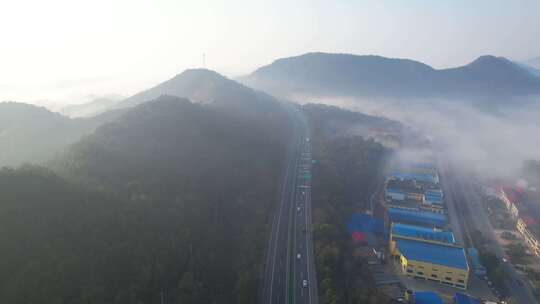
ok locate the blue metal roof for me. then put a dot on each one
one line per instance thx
(421, 177)
(461, 298)
(433, 253)
(423, 233)
(417, 217)
(433, 197)
(427, 297)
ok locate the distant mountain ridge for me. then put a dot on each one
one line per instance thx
(355, 75)
(531, 65)
(34, 134)
(534, 62)
(97, 106)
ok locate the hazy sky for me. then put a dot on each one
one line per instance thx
(64, 50)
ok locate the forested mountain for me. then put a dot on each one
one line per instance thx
(34, 134)
(336, 122)
(171, 198)
(207, 87)
(351, 75)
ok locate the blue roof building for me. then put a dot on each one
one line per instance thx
(426, 297)
(417, 176)
(422, 233)
(449, 256)
(433, 197)
(423, 218)
(442, 263)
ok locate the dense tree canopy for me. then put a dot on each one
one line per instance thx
(172, 198)
(347, 169)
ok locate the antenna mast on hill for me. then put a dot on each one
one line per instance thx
(204, 60)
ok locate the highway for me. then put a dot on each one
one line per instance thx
(462, 186)
(289, 275)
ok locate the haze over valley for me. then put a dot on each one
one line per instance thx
(269, 152)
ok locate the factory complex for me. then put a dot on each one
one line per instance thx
(420, 237)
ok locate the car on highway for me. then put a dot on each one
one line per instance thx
(298, 209)
(304, 283)
(298, 256)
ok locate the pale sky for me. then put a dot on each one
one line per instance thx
(66, 50)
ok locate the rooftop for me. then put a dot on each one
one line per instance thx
(423, 233)
(427, 297)
(449, 256)
(434, 197)
(406, 203)
(425, 218)
(403, 185)
(417, 176)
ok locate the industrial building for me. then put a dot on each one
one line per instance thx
(424, 173)
(421, 218)
(434, 197)
(413, 195)
(401, 190)
(418, 233)
(445, 264)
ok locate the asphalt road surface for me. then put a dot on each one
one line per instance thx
(463, 185)
(290, 266)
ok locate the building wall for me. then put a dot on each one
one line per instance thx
(419, 197)
(432, 208)
(505, 199)
(529, 237)
(450, 276)
(393, 195)
(514, 210)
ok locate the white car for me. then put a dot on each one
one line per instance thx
(304, 283)
(298, 256)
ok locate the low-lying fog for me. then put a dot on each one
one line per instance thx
(493, 142)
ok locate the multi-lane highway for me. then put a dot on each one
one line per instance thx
(290, 266)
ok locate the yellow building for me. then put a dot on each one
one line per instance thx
(527, 227)
(429, 254)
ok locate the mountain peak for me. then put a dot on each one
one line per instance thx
(490, 60)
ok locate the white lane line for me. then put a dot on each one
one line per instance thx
(277, 230)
